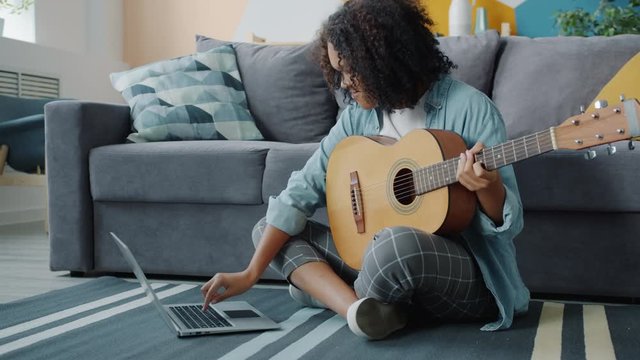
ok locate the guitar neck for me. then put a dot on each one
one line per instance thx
(444, 173)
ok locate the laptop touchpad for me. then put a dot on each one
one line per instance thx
(241, 314)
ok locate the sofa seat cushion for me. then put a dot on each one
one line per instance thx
(211, 172)
(566, 181)
(281, 161)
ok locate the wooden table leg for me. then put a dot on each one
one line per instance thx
(4, 152)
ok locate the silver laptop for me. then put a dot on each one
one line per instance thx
(190, 320)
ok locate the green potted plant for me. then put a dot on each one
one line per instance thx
(15, 7)
(607, 20)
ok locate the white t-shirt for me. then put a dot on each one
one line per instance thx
(400, 122)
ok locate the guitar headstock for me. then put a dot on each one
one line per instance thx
(604, 125)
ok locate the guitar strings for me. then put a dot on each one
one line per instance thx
(407, 189)
(405, 184)
(492, 150)
(408, 186)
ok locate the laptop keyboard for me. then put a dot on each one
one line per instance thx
(193, 317)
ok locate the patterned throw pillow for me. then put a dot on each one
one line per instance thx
(195, 97)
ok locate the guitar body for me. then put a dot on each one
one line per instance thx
(384, 191)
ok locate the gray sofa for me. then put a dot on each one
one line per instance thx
(187, 208)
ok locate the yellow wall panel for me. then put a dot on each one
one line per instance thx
(497, 13)
(438, 10)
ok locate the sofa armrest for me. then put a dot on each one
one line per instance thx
(72, 129)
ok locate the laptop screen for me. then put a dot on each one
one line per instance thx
(137, 270)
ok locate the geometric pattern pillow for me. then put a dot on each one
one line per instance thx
(195, 97)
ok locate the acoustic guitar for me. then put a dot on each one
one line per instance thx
(375, 181)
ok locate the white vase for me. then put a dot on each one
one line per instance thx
(459, 18)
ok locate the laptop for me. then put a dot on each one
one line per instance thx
(190, 320)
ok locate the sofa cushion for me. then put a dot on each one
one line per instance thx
(285, 88)
(565, 181)
(281, 161)
(541, 82)
(213, 172)
(195, 97)
(475, 57)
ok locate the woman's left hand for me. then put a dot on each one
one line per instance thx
(486, 184)
(471, 173)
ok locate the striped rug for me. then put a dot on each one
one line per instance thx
(109, 318)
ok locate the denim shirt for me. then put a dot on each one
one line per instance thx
(449, 105)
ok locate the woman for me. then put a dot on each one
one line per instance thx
(384, 58)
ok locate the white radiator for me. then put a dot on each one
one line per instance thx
(25, 85)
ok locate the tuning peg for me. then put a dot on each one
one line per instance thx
(631, 146)
(622, 98)
(590, 155)
(582, 109)
(601, 104)
(611, 149)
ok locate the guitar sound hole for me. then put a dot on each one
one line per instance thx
(403, 187)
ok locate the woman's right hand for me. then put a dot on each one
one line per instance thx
(225, 285)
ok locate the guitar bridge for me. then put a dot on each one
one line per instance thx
(356, 202)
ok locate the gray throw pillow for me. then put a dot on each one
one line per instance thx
(541, 82)
(195, 97)
(475, 56)
(286, 91)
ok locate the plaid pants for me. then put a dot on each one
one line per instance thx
(401, 265)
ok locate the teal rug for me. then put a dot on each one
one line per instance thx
(110, 318)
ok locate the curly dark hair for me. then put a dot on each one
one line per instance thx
(387, 48)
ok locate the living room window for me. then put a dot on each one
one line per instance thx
(20, 26)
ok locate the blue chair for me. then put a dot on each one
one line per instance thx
(22, 130)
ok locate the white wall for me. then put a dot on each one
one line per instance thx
(285, 20)
(62, 24)
(105, 34)
(82, 75)
(90, 27)
(80, 42)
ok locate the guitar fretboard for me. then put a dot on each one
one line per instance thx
(444, 173)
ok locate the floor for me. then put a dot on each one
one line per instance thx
(24, 272)
(24, 263)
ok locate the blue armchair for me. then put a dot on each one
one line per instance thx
(22, 130)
